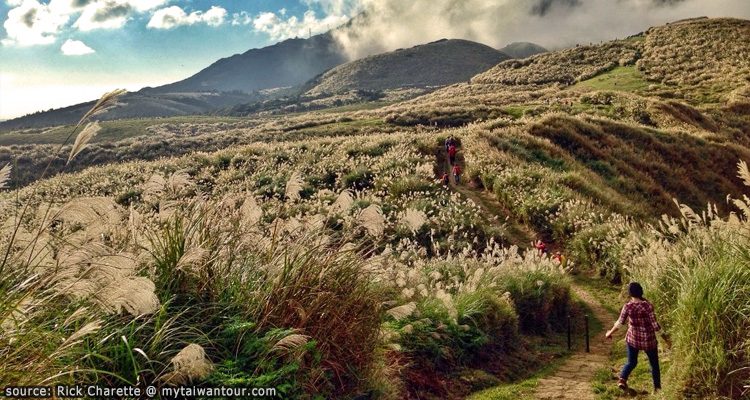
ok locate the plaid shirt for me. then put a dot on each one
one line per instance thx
(642, 324)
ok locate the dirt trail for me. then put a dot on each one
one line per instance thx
(517, 233)
(573, 379)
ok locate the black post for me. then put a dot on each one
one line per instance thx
(569, 344)
(587, 333)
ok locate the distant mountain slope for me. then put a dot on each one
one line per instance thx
(434, 64)
(523, 49)
(288, 63)
(225, 83)
(136, 105)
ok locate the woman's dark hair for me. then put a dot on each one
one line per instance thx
(635, 290)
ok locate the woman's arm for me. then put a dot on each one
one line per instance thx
(615, 327)
(620, 321)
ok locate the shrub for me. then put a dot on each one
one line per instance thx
(358, 179)
(409, 184)
(542, 300)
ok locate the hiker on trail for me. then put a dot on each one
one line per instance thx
(452, 153)
(457, 173)
(541, 247)
(445, 179)
(560, 258)
(638, 313)
(449, 142)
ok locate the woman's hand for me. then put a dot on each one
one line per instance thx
(608, 335)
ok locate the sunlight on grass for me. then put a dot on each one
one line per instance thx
(625, 79)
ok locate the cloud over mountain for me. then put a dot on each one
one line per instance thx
(391, 24)
(278, 26)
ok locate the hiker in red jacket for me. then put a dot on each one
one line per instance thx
(457, 173)
(452, 153)
(449, 142)
(541, 247)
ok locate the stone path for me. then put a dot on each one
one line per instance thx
(573, 379)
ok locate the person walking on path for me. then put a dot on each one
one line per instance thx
(452, 153)
(445, 180)
(638, 313)
(541, 247)
(449, 142)
(457, 173)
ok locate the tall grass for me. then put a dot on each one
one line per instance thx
(697, 270)
(199, 281)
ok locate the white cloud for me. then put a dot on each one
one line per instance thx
(75, 48)
(241, 18)
(174, 16)
(109, 14)
(146, 5)
(391, 24)
(278, 28)
(32, 23)
(68, 7)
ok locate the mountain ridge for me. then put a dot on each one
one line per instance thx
(439, 63)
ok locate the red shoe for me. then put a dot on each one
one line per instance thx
(622, 384)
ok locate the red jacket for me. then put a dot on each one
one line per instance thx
(456, 170)
(452, 151)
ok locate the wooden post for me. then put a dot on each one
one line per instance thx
(587, 334)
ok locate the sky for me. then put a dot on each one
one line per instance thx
(55, 53)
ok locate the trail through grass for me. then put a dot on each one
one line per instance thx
(569, 379)
(516, 232)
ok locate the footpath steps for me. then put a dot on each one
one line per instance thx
(573, 379)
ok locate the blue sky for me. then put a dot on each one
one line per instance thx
(58, 52)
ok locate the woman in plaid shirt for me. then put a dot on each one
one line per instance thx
(638, 313)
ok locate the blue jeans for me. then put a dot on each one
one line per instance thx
(457, 178)
(653, 359)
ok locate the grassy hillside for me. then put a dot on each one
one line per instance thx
(319, 254)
